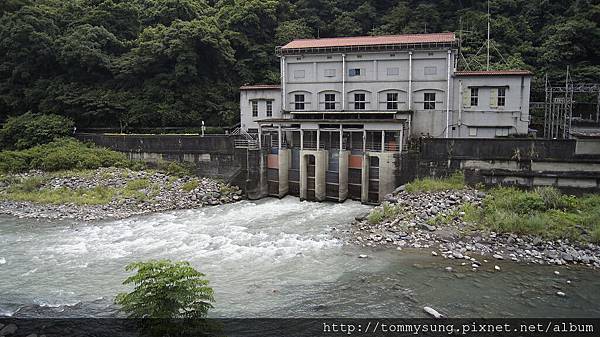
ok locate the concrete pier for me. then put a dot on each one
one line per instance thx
(284, 159)
(343, 175)
(321, 162)
(364, 179)
(386, 175)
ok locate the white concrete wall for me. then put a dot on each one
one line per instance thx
(486, 119)
(380, 73)
(261, 96)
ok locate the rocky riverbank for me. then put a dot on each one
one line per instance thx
(107, 193)
(435, 221)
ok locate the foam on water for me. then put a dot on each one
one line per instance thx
(235, 245)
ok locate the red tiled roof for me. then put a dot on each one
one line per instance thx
(261, 87)
(492, 73)
(371, 40)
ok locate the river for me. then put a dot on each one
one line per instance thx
(269, 258)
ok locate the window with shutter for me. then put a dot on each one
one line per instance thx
(494, 98)
(466, 97)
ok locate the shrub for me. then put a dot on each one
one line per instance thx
(190, 185)
(544, 212)
(175, 169)
(14, 161)
(165, 289)
(94, 196)
(28, 130)
(62, 154)
(31, 184)
(385, 212)
(454, 182)
(596, 234)
(516, 201)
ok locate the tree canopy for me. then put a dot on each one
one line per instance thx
(132, 63)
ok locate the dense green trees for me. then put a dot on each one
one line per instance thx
(135, 63)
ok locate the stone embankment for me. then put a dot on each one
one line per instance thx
(123, 193)
(414, 226)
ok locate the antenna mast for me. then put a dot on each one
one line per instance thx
(488, 36)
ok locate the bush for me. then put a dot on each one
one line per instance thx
(28, 130)
(454, 182)
(543, 211)
(165, 289)
(62, 154)
(175, 169)
(14, 161)
(190, 185)
(387, 211)
(99, 195)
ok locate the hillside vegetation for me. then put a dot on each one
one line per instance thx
(132, 63)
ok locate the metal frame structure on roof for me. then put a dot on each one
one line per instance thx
(280, 51)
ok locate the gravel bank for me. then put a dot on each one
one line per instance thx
(156, 192)
(457, 239)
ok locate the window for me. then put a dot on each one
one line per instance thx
(474, 96)
(430, 70)
(472, 132)
(299, 74)
(329, 101)
(501, 96)
(254, 109)
(329, 72)
(354, 72)
(299, 102)
(392, 101)
(393, 71)
(429, 101)
(269, 108)
(501, 132)
(359, 101)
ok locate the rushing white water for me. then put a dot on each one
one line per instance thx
(265, 258)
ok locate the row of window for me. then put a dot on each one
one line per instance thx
(497, 97)
(500, 132)
(352, 72)
(360, 101)
(255, 108)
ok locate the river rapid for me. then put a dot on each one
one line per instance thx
(270, 258)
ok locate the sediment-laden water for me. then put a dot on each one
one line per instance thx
(269, 258)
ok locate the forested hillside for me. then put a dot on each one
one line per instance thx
(138, 63)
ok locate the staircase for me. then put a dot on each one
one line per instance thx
(244, 140)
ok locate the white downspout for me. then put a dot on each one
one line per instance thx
(448, 97)
(283, 94)
(460, 104)
(343, 82)
(410, 80)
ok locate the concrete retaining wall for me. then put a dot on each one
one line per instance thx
(519, 162)
(212, 155)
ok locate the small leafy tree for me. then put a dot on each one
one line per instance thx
(165, 289)
(28, 130)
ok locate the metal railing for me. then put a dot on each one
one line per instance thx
(250, 144)
(388, 147)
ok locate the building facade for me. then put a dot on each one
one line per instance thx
(346, 107)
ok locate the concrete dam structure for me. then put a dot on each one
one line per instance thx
(334, 163)
(364, 165)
